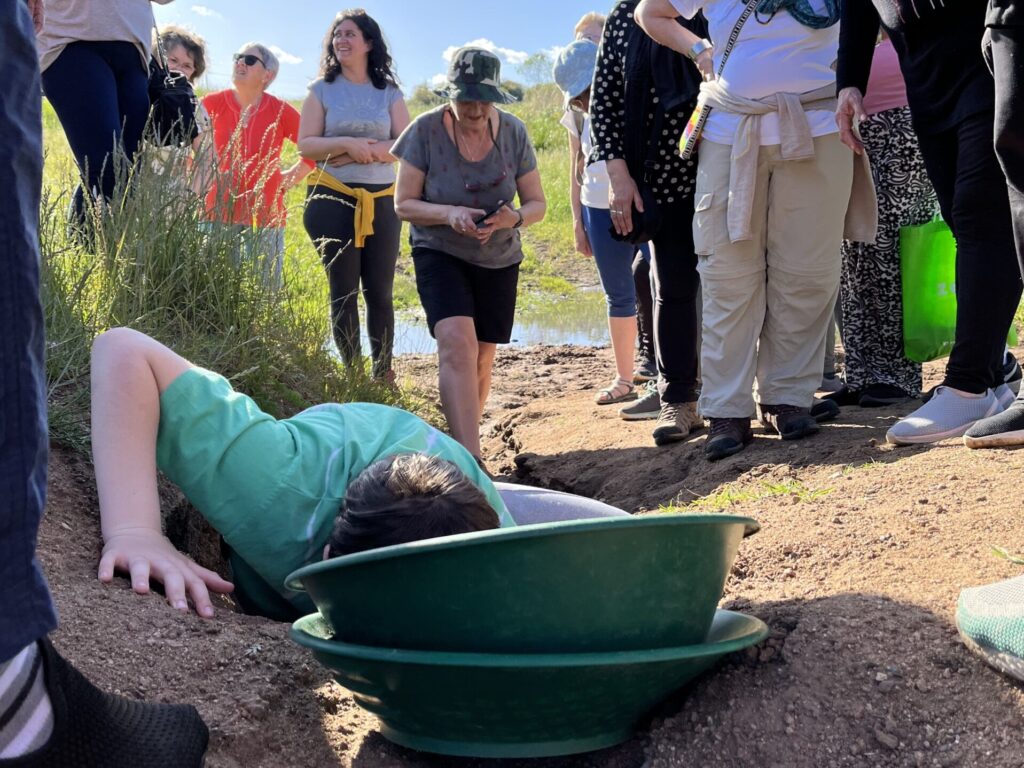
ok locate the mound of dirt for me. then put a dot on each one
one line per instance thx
(862, 553)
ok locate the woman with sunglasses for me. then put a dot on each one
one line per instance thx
(249, 129)
(460, 167)
(350, 119)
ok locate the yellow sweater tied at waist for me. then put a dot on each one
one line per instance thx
(364, 201)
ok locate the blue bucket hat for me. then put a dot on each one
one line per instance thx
(574, 68)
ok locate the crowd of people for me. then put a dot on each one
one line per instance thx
(825, 128)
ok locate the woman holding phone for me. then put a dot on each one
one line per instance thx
(460, 167)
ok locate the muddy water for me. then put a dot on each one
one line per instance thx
(579, 319)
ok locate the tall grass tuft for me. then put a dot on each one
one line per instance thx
(151, 263)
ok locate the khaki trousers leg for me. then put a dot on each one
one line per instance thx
(768, 300)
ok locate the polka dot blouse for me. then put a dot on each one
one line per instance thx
(674, 178)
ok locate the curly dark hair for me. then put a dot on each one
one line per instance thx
(379, 66)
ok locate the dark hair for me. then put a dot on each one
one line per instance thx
(379, 62)
(172, 35)
(408, 497)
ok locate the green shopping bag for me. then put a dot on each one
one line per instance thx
(928, 264)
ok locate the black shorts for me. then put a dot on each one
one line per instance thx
(451, 287)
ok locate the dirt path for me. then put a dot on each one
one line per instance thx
(862, 553)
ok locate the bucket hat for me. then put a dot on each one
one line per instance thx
(574, 68)
(475, 75)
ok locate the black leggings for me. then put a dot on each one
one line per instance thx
(329, 219)
(971, 188)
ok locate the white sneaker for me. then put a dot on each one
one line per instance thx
(949, 413)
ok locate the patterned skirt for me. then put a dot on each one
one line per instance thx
(870, 292)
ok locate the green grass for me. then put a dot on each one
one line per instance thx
(728, 497)
(154, 269)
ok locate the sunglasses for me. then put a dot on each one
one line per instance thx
(249, 59)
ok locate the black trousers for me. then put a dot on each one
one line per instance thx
(676, 284)
(330, 222)
(971, 189)
(1006, 60)
(644, 306)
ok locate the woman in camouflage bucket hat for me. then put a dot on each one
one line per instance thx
(461, 166)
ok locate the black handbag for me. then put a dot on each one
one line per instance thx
(172, 105)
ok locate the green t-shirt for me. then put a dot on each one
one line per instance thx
(272, 488)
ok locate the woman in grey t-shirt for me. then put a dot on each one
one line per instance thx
(460, 167)
(350, 119)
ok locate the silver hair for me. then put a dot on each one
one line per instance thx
(269, 59)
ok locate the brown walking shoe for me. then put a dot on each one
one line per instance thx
(675, 422)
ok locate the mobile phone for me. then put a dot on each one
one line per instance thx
(486, 216)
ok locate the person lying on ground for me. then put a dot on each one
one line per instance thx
(332, 480)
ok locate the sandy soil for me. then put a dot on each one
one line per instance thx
(856, 570)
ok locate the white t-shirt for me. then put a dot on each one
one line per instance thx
(782, 56)
(594, 190)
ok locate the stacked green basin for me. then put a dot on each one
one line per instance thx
(540, 640)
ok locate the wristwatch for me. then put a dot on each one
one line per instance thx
(698, 48)
(519, 223)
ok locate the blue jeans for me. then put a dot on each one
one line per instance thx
(26, 610)
(100, 92)
(614, 261)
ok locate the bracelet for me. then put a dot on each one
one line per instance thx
(698, 48)
(519, 223)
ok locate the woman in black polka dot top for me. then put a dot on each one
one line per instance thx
(644, 93)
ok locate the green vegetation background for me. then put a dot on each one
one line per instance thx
(151, 267)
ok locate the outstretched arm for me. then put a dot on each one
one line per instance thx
(129, 372)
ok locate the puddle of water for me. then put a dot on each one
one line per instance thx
(580, 319)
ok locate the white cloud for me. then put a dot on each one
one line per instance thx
(507, 54)
(438, 80)
(202, 10)
(283, 56)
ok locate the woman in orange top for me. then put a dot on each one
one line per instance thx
(249, 129)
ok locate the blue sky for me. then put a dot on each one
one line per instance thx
(419, 32)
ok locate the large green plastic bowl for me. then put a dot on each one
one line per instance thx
(517, 705)
(611, 584)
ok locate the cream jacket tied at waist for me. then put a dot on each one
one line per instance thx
(796, 144)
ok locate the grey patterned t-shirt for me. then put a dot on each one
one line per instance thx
(363, 111)
(453, 180)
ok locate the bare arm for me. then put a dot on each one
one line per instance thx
(532, 207)
(409, 205)
(579, 233)
(129, 373)
(312, 143)
(658, 19)
(399, 122)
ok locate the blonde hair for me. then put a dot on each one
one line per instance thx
(586, 20)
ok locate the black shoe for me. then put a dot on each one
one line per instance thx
(844, 396)
(823, 409)
(93, 729)
(1011, 372)
(728, 436)
(791, 421)
(879, 395)
(1000, 431)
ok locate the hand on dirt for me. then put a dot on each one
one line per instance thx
(147, 555)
